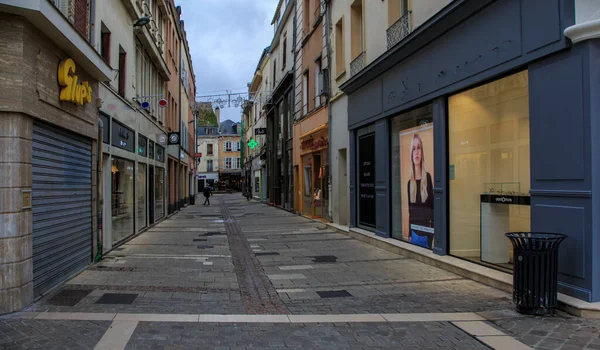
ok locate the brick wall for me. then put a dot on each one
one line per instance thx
(81, 17)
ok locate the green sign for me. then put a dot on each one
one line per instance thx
(252, 144)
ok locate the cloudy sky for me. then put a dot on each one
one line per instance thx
(226, 39)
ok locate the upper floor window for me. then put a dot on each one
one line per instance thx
(105, 43)
(284, 52)
(209, 149)
(340, 53)
(227, 146)
(122, 71)
(356, 29)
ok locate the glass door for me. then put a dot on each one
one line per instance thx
(307, 188)
(317, 187)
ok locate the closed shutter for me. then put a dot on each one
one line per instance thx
(61, 205)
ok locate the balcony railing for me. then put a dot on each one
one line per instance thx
(358, 64)
(399, 30)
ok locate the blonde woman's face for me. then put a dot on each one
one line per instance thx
(417, 152)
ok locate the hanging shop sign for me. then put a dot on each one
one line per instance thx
(173, 138)
(260, 131)
(122, 136)
(252, 144)
(72, 89)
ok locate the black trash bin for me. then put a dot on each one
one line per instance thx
(535, 271)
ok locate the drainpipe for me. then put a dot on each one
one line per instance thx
(99, 199)
(329, 116)
(178, 172)
(293, 107)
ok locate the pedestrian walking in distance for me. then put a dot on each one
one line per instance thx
(207, 194)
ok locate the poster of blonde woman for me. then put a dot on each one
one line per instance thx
(416, 176)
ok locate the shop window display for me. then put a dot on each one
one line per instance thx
(412, 177)
(122, 201)
(159, 188)
(141, 196)
(489, 169)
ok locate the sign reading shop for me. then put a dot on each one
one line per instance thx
(366, 180)
(72, 89)
(122, 136)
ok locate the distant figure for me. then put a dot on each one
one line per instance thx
(207, 194)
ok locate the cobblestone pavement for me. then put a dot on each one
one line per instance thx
(50, 334)
(242, 258)
(430, 335)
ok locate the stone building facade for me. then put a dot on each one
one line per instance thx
(50, 142)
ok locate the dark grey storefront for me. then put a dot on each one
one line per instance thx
(475, 56)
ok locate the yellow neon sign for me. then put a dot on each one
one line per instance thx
(71, 90)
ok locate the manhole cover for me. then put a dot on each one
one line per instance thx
(324, 258)
(334, 294)
(68, 297)
(117, 298)
(266, 253)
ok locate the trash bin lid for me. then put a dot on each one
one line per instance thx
(536, 235)
(535, 241)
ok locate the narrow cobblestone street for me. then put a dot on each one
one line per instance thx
(240, 274)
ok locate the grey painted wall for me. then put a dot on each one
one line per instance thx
(476, 42)
(563, 108)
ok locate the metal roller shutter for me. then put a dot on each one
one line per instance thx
(61, 205)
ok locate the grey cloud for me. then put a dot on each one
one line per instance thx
(226, 39)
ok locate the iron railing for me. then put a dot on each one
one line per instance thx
(357, 64)
(399, 30)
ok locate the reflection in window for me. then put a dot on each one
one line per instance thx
(159, 187)
(122, 201)
(141, 200)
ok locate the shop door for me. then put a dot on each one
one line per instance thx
(307, 188)
(151, 194)
(61, 205)
(317, 187)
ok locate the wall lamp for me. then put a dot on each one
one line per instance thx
(142, 21)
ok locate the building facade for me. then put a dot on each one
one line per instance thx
(471, 114)
(49, 127)
(134, 176)
(311, 112)
(279, 108)
(230, 163)
(255, 129)
(208, 147)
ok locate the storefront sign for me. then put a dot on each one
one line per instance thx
(312, 144)
(123, 137)
(142, 142)
(160, 153)
(366, 180)
(260, 131)
(71, 89)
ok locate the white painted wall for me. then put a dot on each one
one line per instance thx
(116, 18)
(586, 10)
(203, 142)
(422, 10)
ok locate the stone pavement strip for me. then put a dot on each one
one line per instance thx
(241, 274)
